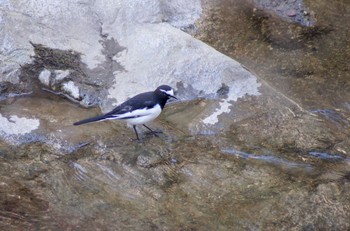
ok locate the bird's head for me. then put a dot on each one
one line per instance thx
(166, 91)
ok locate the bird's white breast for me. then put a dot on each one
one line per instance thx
(142, 115)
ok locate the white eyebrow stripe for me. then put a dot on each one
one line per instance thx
(170, 92)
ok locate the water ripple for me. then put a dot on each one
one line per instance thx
(333, 116)
(268, 159)
(327, 156)
(80, 172)
(112, 175)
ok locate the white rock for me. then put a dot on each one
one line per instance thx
(48, 23)
(44, 77)
(17, 125)
(71, 88)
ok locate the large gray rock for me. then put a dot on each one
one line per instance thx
(78, 26)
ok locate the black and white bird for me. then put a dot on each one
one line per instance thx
(140, 109)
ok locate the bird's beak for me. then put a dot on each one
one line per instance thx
(173, 96)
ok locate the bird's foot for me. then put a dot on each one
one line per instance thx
(155, 133)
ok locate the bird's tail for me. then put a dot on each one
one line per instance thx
(92, 119)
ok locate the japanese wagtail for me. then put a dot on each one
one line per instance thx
(140, 109)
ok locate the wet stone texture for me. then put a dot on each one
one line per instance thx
(167, 185)
(308, 64)
(247, 154)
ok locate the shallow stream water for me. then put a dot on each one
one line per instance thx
(96, 177)
(102, 179)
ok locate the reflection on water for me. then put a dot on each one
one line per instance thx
(79, 172)
(120, 193)
(269, 159)
(109, 172)
(327, 156)
(334, 117)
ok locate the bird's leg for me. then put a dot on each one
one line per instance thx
(137, 135)
(153, 132)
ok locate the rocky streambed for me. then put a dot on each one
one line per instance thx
(261, 149)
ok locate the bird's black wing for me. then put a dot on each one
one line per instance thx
(140, 101)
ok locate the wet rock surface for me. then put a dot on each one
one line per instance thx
(239, 151)
(168, 185)
(292, 58)
(177, 180)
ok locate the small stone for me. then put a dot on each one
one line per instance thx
(44, 77)
(173, 161)
(147, 160)
(291, 13)
(72, 89)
